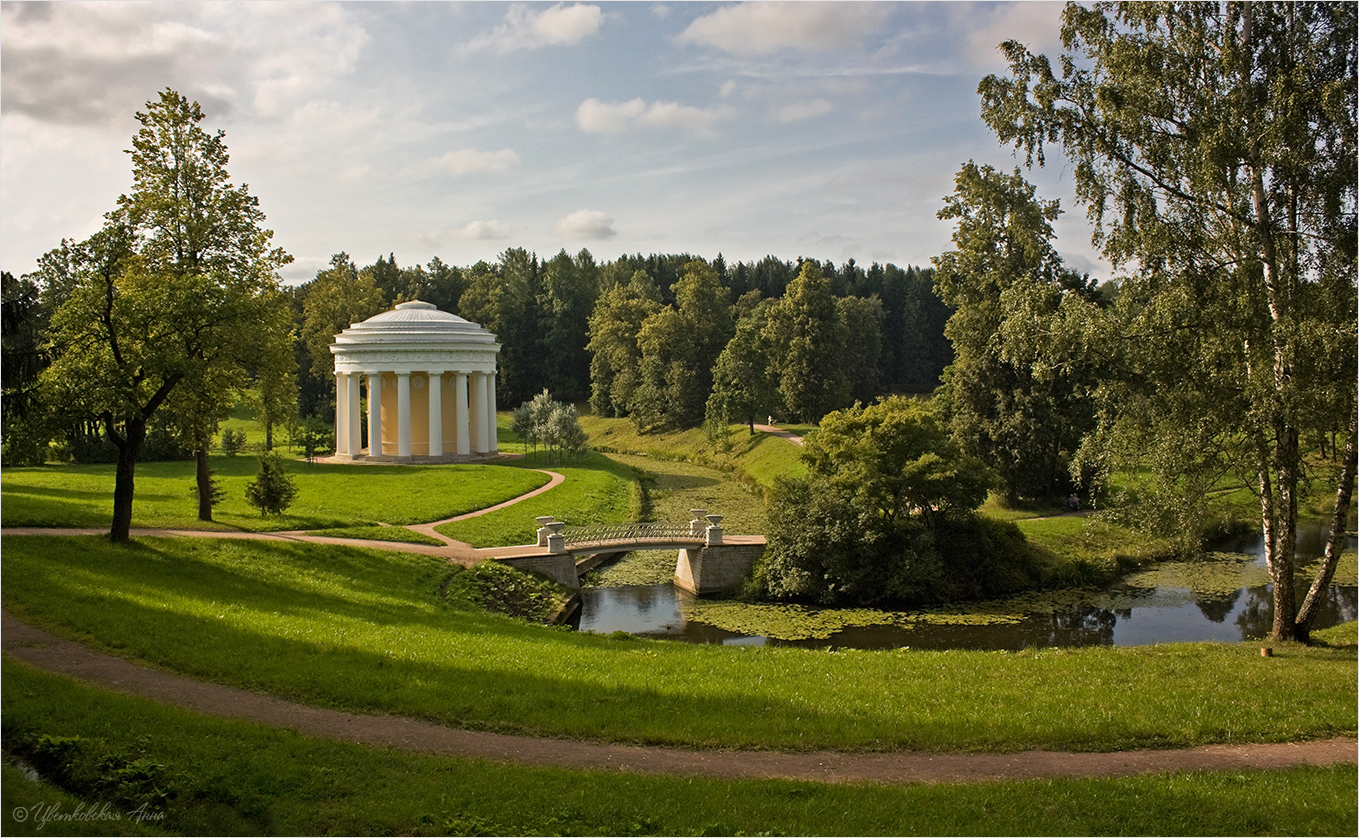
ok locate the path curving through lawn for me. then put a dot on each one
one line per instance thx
(54, 654)
(454, 551)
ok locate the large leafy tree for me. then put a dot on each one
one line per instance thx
(1009, 400)
(678, 348)
(743, 388)
(615, 358)
(807, 339)
(170, 293)
(1215, 148)
(339, 296)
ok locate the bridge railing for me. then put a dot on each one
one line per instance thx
(626, 533)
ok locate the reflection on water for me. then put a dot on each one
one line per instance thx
(1142, 616)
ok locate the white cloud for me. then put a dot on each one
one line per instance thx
(765, 28)
(586, 224)
(466, 161)
(1036, 25)
(483, 231)
(560, 25)
(800, 111)
(113, 57)
(599, 117)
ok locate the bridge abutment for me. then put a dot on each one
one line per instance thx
(715, 567)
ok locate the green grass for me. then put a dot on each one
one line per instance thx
(328, 496)
(672, 489)
(596, 491)
(237, 777)
(400, 535)
(759, 459)
(366, 630)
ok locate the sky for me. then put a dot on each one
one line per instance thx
(459, 130)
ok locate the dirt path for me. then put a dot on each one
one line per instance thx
(779, 432)
(46, 651)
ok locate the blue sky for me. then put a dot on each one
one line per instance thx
(826, 130)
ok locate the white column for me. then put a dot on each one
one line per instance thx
(341, 413)
(479, 410)
(375, 414)
(492, 443)
(436, 413)
(403, 414)
(460, 414)
(352, 424)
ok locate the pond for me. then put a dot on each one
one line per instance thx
(1226, 598)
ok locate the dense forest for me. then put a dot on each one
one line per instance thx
(644, 336)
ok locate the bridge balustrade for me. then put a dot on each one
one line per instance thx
(626, 533)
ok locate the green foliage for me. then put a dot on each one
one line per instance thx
(314, 437)
(807, 338)
(549, 423)
(897, 457)
(885, 516)
(743, 385)
(164, 306)
(615, 363)
(273, 489)
(1214, 148)
(1016, 393)
(233, 442)
(678, 347)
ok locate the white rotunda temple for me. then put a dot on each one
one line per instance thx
(430, 378)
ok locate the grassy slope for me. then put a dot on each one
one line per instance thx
(328, 496)
(366, 630)
(238, 777)
(596, 491)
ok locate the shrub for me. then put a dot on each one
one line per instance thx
(272, 490)
(233, 442)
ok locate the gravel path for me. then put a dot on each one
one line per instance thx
(47, 651)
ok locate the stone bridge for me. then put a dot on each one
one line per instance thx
(708, 560)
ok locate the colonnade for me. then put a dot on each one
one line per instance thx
(416, 413)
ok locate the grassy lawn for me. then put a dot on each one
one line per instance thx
(367, 631)
(596, 491)
(758, 459)
(328, 496)
(236, 777)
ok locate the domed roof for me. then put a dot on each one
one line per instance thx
(415, 317)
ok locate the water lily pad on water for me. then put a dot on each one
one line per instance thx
(1217, 574)
(787, 622)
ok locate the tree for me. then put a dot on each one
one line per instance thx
(1214, 146)
(884, 516)
(273, 489)
(165, 294)
(24, 326)
(742, 385)
(339, 296)
(807, 338)
(678, 348)
(615, 359)
(863, 320)
(569, 291)
(898, 458)
(1011, 401)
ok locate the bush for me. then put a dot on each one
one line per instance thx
(272, 490)
(233, 442)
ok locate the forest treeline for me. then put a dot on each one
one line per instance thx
(660, 337)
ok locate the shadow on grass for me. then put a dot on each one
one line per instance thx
(258, 628)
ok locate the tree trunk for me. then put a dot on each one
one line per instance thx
(1335, 538)
(268, 435)
(129, 449)
(1282, 558)
(204, 479)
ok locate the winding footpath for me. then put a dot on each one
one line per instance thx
(46, 651)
